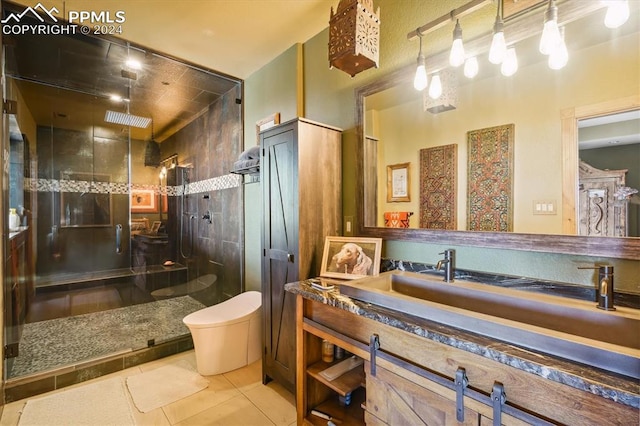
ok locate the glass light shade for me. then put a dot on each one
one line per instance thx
(456, 57)
(471, 67)
(559, 58)
(420, 81)
(560, 55)
(435, 88)
(550, 37)
(510, 64)
(498, 48)
(617, 13)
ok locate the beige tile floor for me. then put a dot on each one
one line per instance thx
(234, 398)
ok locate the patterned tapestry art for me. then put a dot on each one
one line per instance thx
(438, 187)
(490, 179)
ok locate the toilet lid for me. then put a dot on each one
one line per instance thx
(230, 311)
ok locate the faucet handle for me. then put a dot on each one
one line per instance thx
(605, 269)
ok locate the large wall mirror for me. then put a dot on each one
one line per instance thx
(562, 123)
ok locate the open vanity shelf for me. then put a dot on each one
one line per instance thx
(326, 396)
(343, 385)
(329, 396)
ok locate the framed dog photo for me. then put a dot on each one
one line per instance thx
(351, 257)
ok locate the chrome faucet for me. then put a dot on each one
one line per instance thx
(449, 263)
(605, 286)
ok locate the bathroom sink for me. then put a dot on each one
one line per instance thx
(568, 328)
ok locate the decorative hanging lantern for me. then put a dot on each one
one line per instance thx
(354, 36)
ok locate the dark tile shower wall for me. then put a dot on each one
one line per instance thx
(212, 143)
(61, 150)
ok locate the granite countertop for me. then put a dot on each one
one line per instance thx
(616, 387)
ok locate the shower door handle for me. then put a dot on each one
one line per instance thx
(118, 238)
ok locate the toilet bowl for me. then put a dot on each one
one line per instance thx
(228, 335)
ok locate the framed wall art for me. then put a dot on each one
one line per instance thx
(398, 182)
(143, 201)
(351, 257)
(266, 123)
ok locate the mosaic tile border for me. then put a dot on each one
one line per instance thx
(64, 185)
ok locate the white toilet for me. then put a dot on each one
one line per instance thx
(228, 335)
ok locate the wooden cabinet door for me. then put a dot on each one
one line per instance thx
(280, 254)
(394, 400)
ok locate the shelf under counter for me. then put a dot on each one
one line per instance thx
(344, 384)
(342, 415)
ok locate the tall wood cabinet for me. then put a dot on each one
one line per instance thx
(301, 177)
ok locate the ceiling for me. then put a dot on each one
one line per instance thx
(66, 81)
(235, 37)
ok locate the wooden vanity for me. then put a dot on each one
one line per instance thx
(418, 371)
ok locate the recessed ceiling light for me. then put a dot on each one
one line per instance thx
(133, 64)
(117, 98)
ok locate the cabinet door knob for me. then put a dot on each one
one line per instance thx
(290, 257)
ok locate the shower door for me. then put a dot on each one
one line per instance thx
(69, 258)
(67, 254)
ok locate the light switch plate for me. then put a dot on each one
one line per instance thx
(545, 207)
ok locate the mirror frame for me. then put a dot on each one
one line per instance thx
(614, 247)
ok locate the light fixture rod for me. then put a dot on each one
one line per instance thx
(518, 30)
(440, 22)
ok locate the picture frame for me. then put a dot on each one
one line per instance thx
(139, 225)
(266, 123)
(398, 182)
(143, 201)
(156, 226)
(351, 258)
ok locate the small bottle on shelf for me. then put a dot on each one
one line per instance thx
(327, 351)
(14, 220)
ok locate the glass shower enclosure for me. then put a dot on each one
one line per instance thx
(100, 258)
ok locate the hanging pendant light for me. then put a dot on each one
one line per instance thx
(456, 57)
(354, 36)
(420, 81)
(617, 13)
(550, 33)
(435, 88)
(152, 152)
(510, 64)
(471, 67)
(560, 55)
(498, 44)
